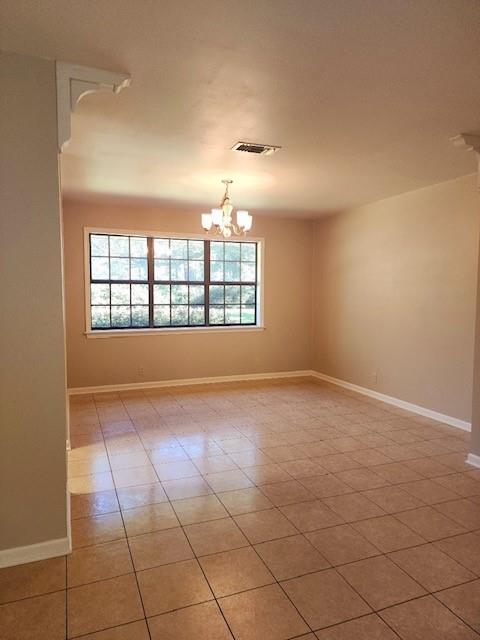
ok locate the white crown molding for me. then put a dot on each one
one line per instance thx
(74, 82)
(469, 142)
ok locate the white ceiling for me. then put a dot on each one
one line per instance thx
(363, 95)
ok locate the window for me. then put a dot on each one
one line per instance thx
(144, 282)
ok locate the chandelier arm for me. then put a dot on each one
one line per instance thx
(226, 227)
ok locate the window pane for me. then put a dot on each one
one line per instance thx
(216, 315)
(161, 316)
(100, 317)
(232, 294)
(216, 271)
(161, 248)
(120, 316)
(195, 270)
(232, 314)
(232, 271)
(179, 270)
(138, 269)
(140, 316)
(248, 315)
(100, 294)
(232, 251)
(197, 294)
(119, 269)
(216, 251)
(248, 272)
(179, 249)
(120, 263)
(162, 270)
(216, 294)
(100, 269)
(119, 246)
(138, 247)
(179, 315)
(161, 293)
(195, 249)
(197, 315)
(179, 294)
(248, 294)
(99, 245)
(120, 294)
(249, 251)
(139, 293)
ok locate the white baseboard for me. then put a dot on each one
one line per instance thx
(34, 552)
(423, 411)
(473, 459)
(408, 406)
(189, 381)
(40, 550)
(69, 520)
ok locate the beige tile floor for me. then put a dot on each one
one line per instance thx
(265, 511)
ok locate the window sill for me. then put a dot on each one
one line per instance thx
(127, 333)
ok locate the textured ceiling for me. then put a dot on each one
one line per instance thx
(363, 95)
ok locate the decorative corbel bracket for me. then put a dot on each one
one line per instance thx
(74, 82)
(470, 142)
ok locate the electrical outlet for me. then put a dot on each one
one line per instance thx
(374, 377)
(140, 372)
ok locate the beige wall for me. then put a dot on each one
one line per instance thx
(394, 293)
(32, 385)
(284, 345)
(475, 440)
(393, 288)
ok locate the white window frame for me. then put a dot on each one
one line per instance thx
(123, 333)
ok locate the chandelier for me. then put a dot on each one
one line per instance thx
(221, 219)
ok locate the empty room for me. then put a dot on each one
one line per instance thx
(240, 390)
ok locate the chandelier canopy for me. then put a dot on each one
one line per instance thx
(221, 219)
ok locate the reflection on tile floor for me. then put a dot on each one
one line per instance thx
(272, 510)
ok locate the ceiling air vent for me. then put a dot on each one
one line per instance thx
(254, 147)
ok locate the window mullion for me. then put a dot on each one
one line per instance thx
(206, 278)
(102, 309)
(150, 280)
(256, 285)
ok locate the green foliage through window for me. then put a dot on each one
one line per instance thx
(144, 282)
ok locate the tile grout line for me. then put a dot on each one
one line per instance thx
(434, 593)
(198, 563)
(299, 533)
(317, 458)
(257, 486)
(279, 508)
(381, 554)
(66, 596)
(125, 530)
(117, 626)
(250, 545)
(261, 559)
